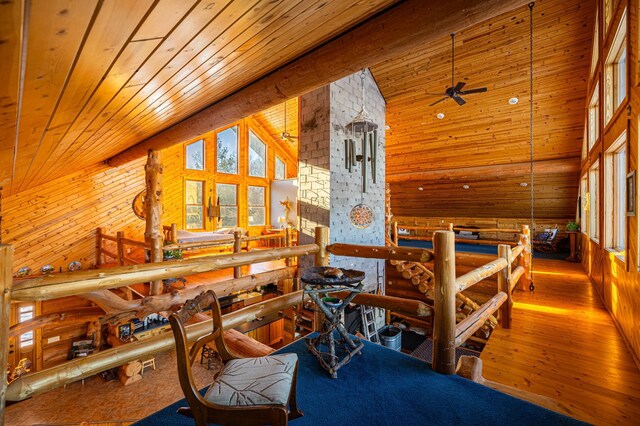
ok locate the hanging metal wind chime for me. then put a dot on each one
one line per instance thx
(363, 131)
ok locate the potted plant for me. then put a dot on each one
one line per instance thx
(573, 227)
(171, 254)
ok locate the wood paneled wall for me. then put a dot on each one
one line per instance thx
(616, 280)
(55, 223)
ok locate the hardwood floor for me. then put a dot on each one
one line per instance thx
(564, 344)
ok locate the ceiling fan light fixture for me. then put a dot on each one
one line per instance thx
(514, 100)
(440, 115)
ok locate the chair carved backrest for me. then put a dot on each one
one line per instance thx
(185, 356)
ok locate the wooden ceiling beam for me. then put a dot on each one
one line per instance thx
(492, 172)
(389, 34)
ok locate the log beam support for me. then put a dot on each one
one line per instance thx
(504, 252)
(6, 280)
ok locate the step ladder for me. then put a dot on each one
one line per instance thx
(368, 316)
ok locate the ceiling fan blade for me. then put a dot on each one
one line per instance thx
(459, 86)
(437, 102)
(479, 90)
(459, 100)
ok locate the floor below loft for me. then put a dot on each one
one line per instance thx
(564, 344)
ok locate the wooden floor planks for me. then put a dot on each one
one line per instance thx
(565, 345)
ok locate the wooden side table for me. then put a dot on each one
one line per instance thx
(573, 243)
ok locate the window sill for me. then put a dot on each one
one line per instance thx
(595, 240)
(618, 253)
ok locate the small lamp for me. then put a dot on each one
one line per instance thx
(282, 221)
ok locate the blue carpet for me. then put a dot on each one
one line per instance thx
(385, 387)
(480, 249)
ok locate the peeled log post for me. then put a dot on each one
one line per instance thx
(6, 279)
(53, 286)
(322, 240)
(525, 259)
(99, 233)
(120, 247)
(444, 304)
(380, 252)
(237, 248)
(287, 243)
(504, 252)
(80, 368)
(153, 212)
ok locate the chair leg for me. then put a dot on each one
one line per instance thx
(279, 416)
(293, 403)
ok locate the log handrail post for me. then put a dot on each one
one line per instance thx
(395, 232)
(237, 248)
(444, 306)
(525, 257)
(504, 251)
(99, 233)
(322, 240)
(287, 242)
(450, 226)
(6, 280)
(174, 232)
(120, 247)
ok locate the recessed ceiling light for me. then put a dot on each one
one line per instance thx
(387, 127)
(524, 184)
(440, 115)
(420, 188)
(514, 100)
(465, 186)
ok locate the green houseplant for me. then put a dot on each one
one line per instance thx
(171, 254)
(573, 226)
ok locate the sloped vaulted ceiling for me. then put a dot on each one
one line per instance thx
(485, 143)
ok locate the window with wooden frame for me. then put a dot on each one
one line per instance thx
(257, 156)
(584, 200)
(227, 151)
(595, 50)
(281, 169)
(194, 155)
(594, 117)
(594, 201)
(26, 311)
(228, 196)
(615, 196)
(616, 71)
(194, 204)
(257, 206)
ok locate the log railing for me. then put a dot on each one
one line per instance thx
(120, 255)
(447, 335)
(459, 238)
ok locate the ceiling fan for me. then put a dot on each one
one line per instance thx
(455, 90)
(284, 135)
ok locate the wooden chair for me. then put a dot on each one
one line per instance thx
(546, 241)
(248, 390)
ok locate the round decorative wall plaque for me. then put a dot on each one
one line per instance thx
(361, 216)
(138, 204)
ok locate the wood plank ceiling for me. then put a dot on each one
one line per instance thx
(98, 76)
(273, 121)
(473, 144)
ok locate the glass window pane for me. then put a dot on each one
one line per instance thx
(195, 155)
(194, 192)
(195, 217)
(227, 194)
(257, 156)
(256, 216)
(228, 216)
(228, 150)
(281, 171)
(256, 196)
(622, 76)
